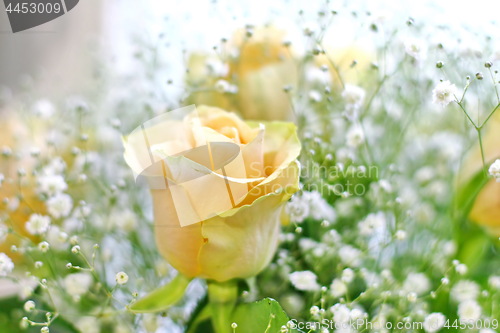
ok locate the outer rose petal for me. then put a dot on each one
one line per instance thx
(241, 245)
(179, 245)
(486, 208)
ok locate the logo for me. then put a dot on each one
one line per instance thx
(26, 14)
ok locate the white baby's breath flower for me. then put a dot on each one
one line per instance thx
(348, 275)
(434, 322)
(494, 170)
(43, 246)
(304, 280)
(494, 282)
(318, 209)
(29, 306)
(469, 311)
(444, 93)
(355, 136)
(6, 265)
(298, 209)
(43, 108)
(415, 48)
(464, 290)
(338, 288)
(59, 205)
(418, 283)
(58, 239)
(372, 223)
(121, 278)
(341, 313)
(51, 184)
(315, 96)
(353, 95)
(125, 220)
(400, 235)
(77, 284)
(461, 269)
(37, 224)
(350, 256)
(88, 325)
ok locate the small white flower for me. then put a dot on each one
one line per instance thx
(51, 184)
(355, 136)
(43, 246)
(59, 205)
(121, 278)
(6, 265)
(297, 209)
(400, 235)
(222, 86)
(444, 93)
(461, 269)
(43, 108)
(57, 238)
(315, 96)
(434, 322)
(318, 209)
(415, 48)
(469, 311)
(350, 256)
(304, 280)
(372, 223)
(348, 275)
(29, 306)
(37, 224)
(418, 283)
(125, 220)
(88, 325)
(2, 178)
(464, 290)
(494, 282)
(341, 313)
(412, 297)
(494, 170)
(338, 288)
(314, 310)
(353, 96)
(77, 284)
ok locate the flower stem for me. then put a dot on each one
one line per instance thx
(222, 297)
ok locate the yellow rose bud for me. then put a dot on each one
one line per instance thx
(219, 186)
(259, 67)
(486, 208)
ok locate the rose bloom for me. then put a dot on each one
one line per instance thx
(253, 76)
(486, 208)
(219, 186)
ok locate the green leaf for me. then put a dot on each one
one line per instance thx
(264, 316)
(162, 298)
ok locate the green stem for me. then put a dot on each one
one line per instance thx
(222, 298)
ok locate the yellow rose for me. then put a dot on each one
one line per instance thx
(259, 65)
(219, 185)
(486, 208)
